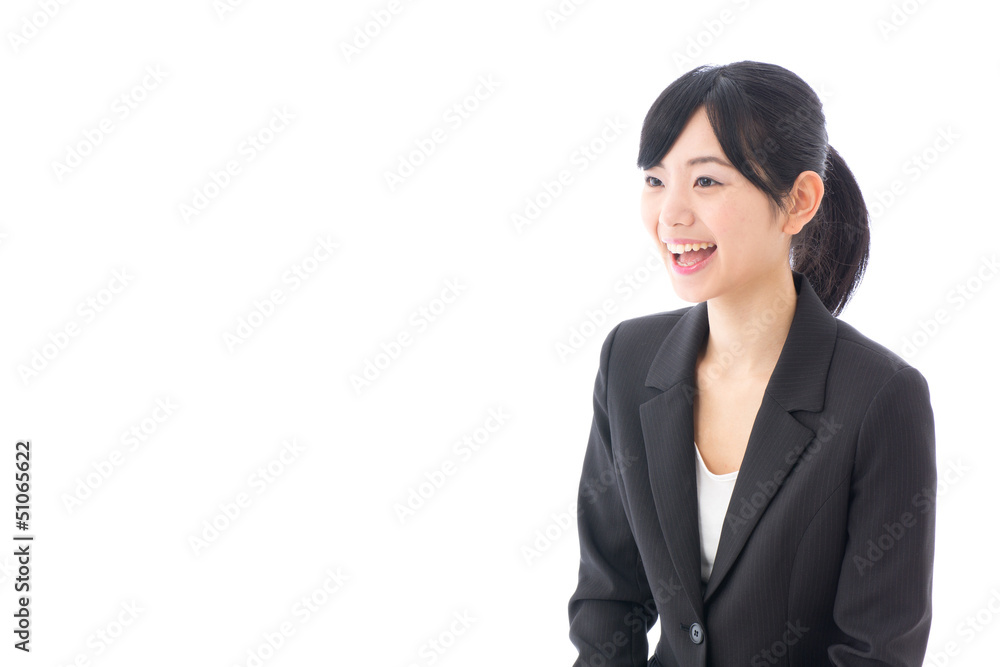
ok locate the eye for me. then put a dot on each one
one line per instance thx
(706, 178)
(652, 184)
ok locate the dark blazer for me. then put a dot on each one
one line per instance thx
(826, 553)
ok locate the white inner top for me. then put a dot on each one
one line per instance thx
(714, 493)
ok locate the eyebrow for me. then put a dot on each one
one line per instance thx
(703, 159)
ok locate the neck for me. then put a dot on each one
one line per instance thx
(748, 327)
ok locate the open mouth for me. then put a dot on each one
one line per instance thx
(689, 254)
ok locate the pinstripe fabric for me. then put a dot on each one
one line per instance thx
(827, 551)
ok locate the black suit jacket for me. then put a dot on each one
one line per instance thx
(827, 550)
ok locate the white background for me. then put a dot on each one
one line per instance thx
(522, 293)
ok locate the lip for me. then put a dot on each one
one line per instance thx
(687, 270)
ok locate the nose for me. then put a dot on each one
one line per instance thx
(674, 210)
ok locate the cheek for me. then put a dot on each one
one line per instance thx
(649, 213)
(745, 238)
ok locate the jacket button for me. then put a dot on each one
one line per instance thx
(696, 633)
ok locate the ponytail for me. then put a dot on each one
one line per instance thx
(832, 249)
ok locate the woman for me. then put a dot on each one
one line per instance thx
(760, 476)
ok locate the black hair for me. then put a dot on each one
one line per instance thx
(771, 126)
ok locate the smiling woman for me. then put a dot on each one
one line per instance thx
(768, 514)
(770, 124)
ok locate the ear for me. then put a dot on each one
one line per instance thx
(804, 200)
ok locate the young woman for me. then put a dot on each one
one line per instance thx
(760, 476)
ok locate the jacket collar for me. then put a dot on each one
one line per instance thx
(798, 381)
(776, 440)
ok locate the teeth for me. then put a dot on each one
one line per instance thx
(685, 247)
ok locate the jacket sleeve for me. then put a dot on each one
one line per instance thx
(883, 601)
(612, 609)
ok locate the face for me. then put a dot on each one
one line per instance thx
(695, 196)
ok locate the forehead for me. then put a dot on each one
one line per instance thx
(695, 145)
(697, 136)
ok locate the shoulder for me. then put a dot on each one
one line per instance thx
(631, 347)
(871, 361)
(655, 324)
(641, 336)
(857, 344)
(890, 398)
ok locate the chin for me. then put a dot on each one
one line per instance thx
(690, 293)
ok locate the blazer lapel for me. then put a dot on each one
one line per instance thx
(776, 440)
(668, 432)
